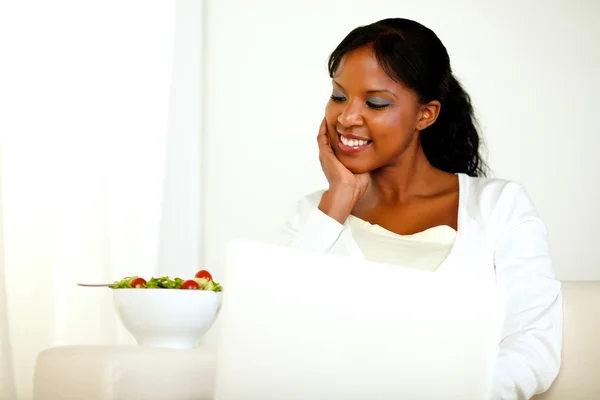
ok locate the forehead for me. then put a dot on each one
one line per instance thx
(360, 68)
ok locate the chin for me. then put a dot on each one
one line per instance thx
(357, 167)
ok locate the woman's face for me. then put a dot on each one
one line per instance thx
(371, 119)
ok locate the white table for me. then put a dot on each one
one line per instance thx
(124, 372)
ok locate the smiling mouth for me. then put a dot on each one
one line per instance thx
(350, 145)
(353, 142)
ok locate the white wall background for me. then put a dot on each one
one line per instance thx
(99, 125)
(530, 66)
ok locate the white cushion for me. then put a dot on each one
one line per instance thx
(124, 372)
(578, 375)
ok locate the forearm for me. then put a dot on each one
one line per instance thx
(337, 204)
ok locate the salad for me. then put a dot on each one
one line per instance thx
(202, 281)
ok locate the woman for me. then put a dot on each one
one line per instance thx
(400, 149)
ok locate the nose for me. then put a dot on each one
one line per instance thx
(351, 115)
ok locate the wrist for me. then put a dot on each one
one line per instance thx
(338, 203)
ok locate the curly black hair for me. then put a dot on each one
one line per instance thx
(413, 55)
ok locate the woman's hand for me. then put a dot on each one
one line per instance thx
(345, 187)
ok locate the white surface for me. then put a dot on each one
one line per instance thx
(7, 382)
(180, 221)
(530, 66)
(168, 318)
(301, 325)
(128, 373)
(99, 117)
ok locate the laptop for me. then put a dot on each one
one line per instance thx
(298, 325)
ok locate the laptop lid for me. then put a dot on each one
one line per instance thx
(298, 325)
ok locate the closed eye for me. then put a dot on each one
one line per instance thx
(337, 96)
(377, 103)
(376, 106)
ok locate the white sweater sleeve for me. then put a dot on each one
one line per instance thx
(530, 352)
(311, 229)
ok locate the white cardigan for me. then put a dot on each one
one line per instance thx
(499, 237)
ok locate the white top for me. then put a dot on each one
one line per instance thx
(424, 250)
(500, 237)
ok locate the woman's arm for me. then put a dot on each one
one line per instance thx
(530, 352)
(318, 221)
(309, 228)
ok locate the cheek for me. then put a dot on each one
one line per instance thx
(332, 112)
(394, 122)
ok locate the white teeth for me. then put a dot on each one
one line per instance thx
(353, 142)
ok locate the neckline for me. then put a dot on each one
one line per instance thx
(379, 229)
(462, 204)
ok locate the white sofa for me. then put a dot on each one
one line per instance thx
(579, 377)
(102, 373)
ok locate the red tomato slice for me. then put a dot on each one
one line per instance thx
(138, 283)
(204, 274)
(190, 284)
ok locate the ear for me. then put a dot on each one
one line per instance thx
(428, 114)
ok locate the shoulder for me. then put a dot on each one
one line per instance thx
(498, 201)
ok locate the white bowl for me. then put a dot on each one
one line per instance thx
(172, 318)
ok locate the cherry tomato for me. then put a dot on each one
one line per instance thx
(190, 284)
(138, 283)
(204, 274)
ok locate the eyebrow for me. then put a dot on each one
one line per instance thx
(368, 91)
